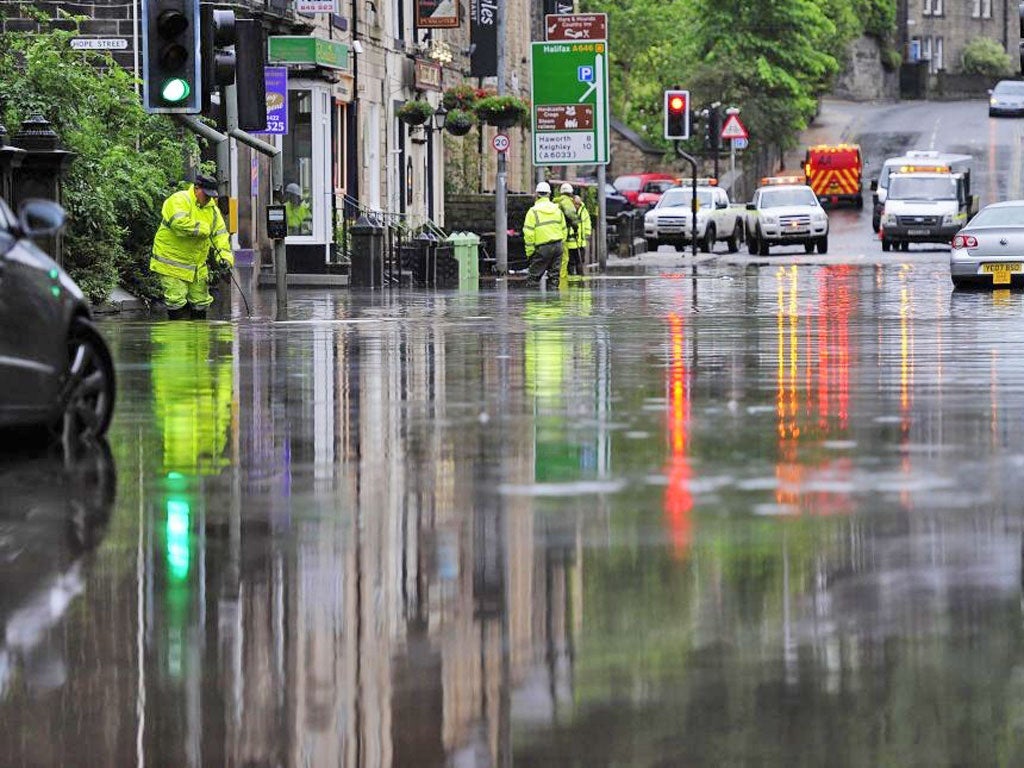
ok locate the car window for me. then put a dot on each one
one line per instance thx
(922, 188)
(775, 198)
(682, 196)
(1009, 88)
(627, 183)
(1003, 216)
(658, 186)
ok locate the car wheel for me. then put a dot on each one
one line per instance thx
(859, 202)
(876, 222)
(991, 113)
(960, 283)
(809, 246)
(733, 241)
(88, 388)
(905, 246)
(823, 244)
(652, 244)
(886, 244)
(762, 246)
(707, 245)
(752, 245)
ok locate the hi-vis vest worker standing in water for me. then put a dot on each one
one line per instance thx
(544, 235)
(191, 225)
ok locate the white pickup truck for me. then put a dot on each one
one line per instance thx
(670, 222)
(786, 214)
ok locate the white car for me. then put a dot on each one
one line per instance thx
(670, 222)
(786, 214)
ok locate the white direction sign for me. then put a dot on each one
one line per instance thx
(501, 142)
(569, 95)
(99, 43)
(733, 128)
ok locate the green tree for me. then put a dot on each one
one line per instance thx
(127, 160)
(984, 56)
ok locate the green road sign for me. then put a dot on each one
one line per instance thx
(569, 92)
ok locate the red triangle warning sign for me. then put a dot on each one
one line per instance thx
(733, 128)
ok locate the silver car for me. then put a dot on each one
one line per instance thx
(989, 251)
(1007, 98)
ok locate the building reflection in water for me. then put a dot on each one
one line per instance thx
(315, 567)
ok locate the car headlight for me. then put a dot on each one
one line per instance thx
(819, 217)
(890, 219)
(650, 220)
(769, 219)
(947, 219)
(993, 101)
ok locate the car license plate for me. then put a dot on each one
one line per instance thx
(1002, 272)
(913, 232)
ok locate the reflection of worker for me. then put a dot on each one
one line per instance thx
(191, 225)
(572, 222)
(544, 235)
(296, 211)
(192, 393)
(577, 246)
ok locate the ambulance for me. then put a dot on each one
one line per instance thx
(833, 171)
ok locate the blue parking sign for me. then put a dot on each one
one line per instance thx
(585, 74)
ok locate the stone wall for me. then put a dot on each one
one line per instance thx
(475, 213)
(627, 157)
(864, 78)
(943, 85)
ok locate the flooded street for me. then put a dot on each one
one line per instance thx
(767, 515)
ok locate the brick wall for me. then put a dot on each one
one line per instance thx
(104, 18)
(475, 213)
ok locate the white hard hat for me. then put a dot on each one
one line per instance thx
(543, 188)
(566, 188)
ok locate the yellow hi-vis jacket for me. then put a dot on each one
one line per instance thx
(585, 228)
(186, 234)
(545, 223)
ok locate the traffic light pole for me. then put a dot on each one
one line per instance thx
(693, 202)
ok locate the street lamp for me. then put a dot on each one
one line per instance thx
(439, 119)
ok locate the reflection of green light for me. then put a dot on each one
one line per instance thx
(174, 90)
(55, 290)
(178, 525)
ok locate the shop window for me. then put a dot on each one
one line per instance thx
(298, 163)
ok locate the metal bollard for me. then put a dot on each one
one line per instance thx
(367, 270)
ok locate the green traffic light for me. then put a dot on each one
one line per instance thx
(175, 90)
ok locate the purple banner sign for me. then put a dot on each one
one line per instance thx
(277, 99)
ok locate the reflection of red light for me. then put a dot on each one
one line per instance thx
(678, 499)
(676, 103)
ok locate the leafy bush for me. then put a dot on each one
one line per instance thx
(460, 122)
(126, 163)
(462, 97)
(984, 56)
(502, 111)
(415, 112)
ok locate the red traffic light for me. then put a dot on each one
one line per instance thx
(677, 103)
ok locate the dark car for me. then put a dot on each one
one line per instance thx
(614, 201)
(55, 367)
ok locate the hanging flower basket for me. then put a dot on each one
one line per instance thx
(459, 122)
(461, 97)
(415, 112)
(502, 111)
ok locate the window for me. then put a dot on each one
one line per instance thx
(986, 9)
(932, 8)
(298, 162)
(915, 49)
(976, 9)
(927, 9)
(937, 62)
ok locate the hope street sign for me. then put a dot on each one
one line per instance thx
(99, 44)
(569, 93)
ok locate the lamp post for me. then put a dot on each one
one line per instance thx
(436, 123)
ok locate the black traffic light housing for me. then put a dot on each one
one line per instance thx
(251, 60)
(171, 78)
(677, 115)
(218, 40)
(1020, 16)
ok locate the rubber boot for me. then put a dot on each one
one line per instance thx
(198, 314)
(181, 313)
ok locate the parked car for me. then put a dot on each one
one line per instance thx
(989, 251)
(630, 185)
(55, 367)
(670, 222)
(652, 192)
(1007, 98)
(614, 202)
(785, 212)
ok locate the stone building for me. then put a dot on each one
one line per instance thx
(936, 31)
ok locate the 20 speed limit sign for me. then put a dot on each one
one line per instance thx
(501, 142)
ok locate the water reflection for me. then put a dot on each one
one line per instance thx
(55, 508)
(595, 528)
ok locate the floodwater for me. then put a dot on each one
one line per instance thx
(766, 516)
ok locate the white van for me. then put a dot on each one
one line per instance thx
(915, 160)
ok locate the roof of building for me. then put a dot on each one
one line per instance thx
(634, 138)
